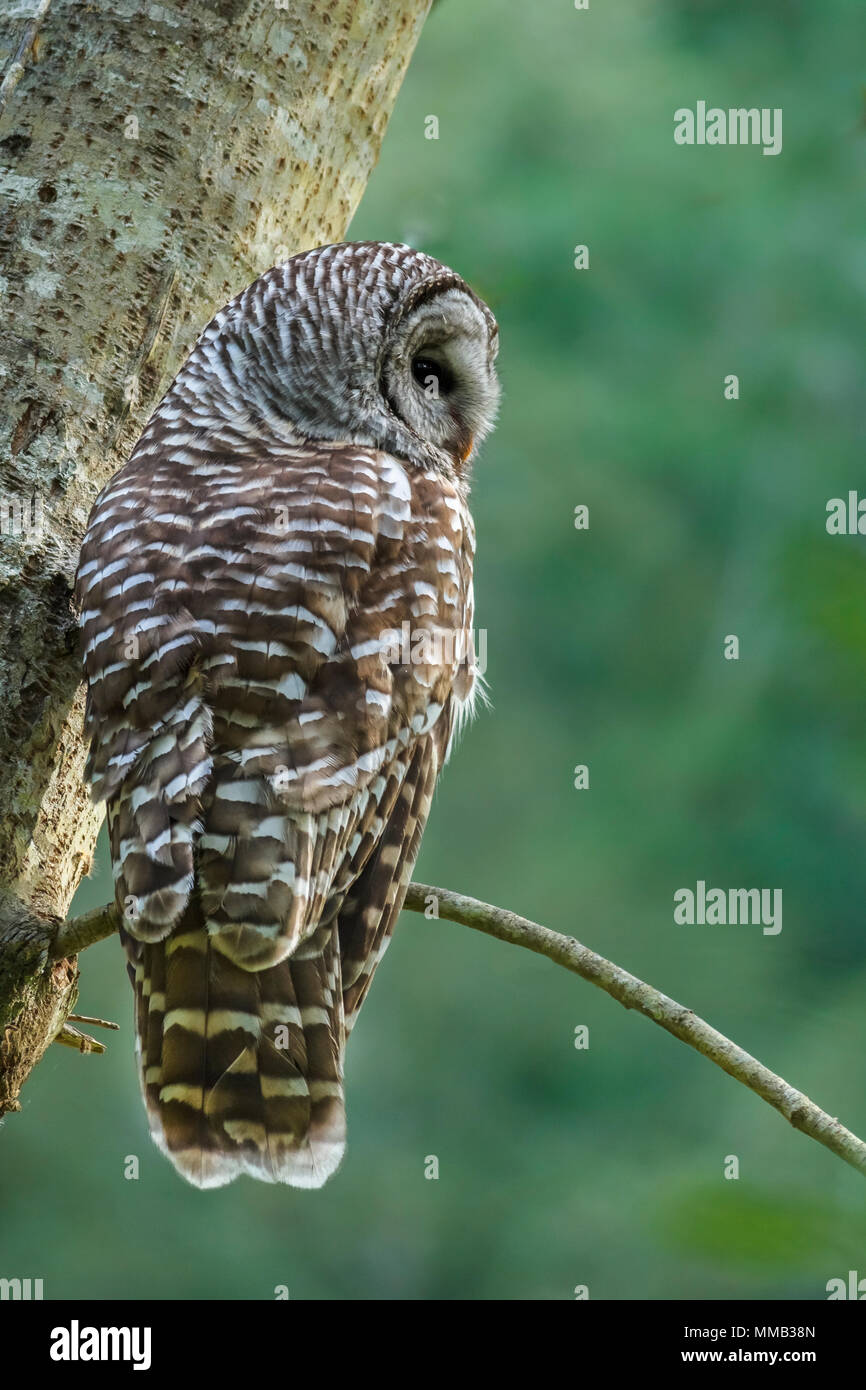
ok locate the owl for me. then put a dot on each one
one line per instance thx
(276, 606)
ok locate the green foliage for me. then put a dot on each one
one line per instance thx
(740, 1228)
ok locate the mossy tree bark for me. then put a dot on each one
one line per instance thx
(153, 160)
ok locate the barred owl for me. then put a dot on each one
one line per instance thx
(276, 609)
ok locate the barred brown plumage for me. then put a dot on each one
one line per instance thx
(266, 756)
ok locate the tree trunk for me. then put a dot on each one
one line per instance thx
(154, 159)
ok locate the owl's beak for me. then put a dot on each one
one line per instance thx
(468, 450)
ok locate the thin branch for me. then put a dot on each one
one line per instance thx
(93, 1022)
(82, 1042)
(72, 936)
(797, 1108)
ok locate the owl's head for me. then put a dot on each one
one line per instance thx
(366, 343)
(436, 370)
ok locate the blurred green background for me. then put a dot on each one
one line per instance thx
(602, 1167)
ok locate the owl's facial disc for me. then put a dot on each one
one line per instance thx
(439, 378)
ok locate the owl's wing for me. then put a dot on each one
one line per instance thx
(243, 710)
(372, 905)
(298, 801)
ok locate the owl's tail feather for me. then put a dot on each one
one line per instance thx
(241, 1070)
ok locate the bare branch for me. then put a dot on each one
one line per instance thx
(73, 936)
(82, 1042)
(797, 1108)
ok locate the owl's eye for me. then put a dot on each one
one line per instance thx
(433, 377)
